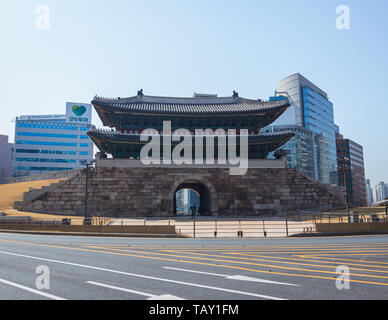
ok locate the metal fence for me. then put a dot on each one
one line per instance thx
(211, 227)
(27, 220)
(215, 227)
(243, 228)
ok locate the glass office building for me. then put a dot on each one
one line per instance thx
(351, 171)
(319, 118)
(312, 110)
(48, 143)
(301, 149)
(185, 199)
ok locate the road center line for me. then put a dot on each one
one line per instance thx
(44, 294)
(144, 276)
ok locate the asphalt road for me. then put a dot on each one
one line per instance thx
(192, 269)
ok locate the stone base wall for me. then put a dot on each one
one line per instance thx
(149, 192)
(352, 227)
(152, 230)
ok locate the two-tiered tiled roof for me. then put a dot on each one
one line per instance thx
(134, 114)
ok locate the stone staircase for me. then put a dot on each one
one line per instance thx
(35, 194)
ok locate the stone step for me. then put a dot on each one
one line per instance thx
(18, 205)
(35, 193)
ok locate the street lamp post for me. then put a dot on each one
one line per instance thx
(386, 211)
(87, 165)
(344, 169)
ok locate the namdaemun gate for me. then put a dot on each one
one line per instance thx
(122, 185)
(131, 116)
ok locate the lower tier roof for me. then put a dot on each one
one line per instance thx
(125, 145)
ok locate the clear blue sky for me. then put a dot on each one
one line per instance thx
(113, 48)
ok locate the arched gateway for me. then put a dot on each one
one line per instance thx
(205, 190)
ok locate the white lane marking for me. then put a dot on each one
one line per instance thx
(236, 277)
(144, 277)
(150, 296)
(44, 294)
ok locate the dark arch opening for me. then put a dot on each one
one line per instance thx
(198, 196)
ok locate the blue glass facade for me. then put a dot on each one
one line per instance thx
(49, 151)
(319, 118)
(311, 110)
(300, 149)
(185, 199)
(49, 144)
(40, 169)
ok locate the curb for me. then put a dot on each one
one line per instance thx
(96, 234)
(337, 234)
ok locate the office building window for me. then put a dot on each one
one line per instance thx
(45, 151)
(45, 160)
(48, 143)
(47, 135)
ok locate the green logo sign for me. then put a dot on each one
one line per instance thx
(79, 110)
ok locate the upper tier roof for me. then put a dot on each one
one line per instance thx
(194, 106)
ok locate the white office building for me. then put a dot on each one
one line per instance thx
(381, 192)
(50, 143)
(369, 192)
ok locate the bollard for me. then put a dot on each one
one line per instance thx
(194, 228)
(287, 225)
(264, 227)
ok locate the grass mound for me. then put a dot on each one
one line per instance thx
(9, 193)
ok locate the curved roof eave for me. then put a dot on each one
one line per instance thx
(195, 110)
